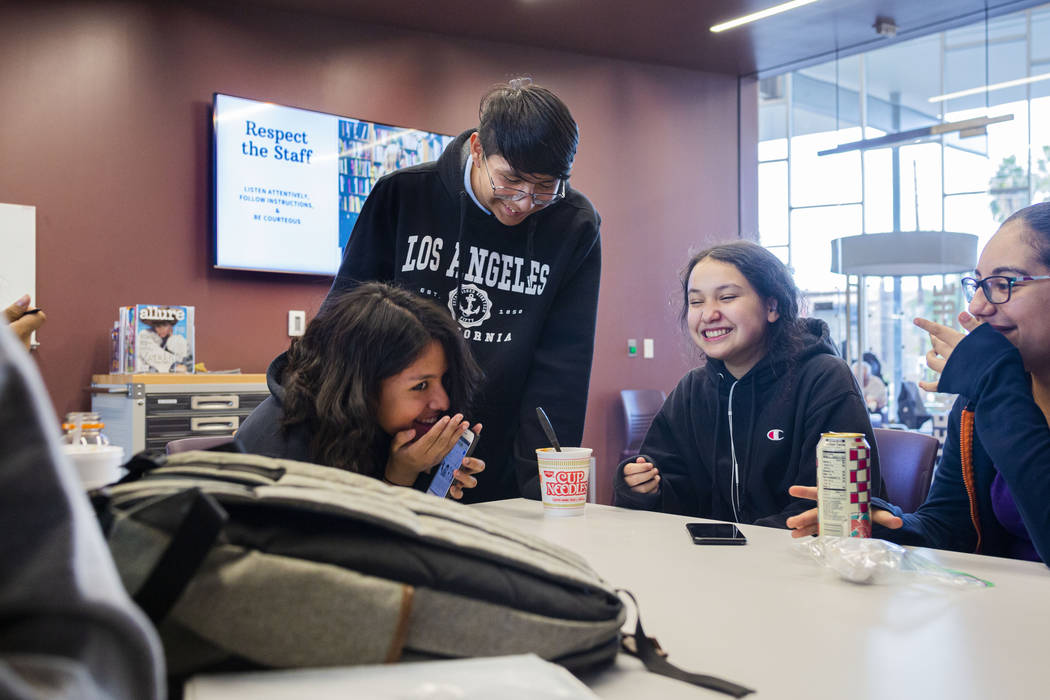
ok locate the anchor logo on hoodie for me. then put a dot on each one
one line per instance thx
(470, 305)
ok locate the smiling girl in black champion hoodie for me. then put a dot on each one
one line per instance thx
(739, 430)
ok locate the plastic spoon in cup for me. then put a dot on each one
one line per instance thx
(548, 428)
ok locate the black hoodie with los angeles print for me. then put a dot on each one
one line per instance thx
(525, 296)
(779, 410)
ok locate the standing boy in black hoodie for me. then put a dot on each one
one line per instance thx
(493, 231)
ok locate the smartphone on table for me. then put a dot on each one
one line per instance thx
(715, 533)
(443, 473)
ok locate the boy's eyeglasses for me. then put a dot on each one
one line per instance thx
(997, 288)
(513, 194)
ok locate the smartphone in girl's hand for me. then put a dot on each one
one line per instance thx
(443, 474)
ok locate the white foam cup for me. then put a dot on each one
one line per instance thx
(563, 479)
(96, 465)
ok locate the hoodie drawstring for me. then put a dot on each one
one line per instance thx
(530, 238)
(716, 433)
(734, 486)
(459, 253)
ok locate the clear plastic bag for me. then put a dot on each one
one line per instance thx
(864, 560)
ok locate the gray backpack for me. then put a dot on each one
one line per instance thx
(245, 562)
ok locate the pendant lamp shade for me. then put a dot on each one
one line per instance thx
(904, 253)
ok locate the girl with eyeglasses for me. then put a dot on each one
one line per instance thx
(991, 490)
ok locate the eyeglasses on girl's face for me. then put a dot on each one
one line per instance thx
(997, 288)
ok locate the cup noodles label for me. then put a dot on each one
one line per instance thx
(563, 479)
(565, 482)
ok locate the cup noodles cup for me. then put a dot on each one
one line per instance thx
(563, 479)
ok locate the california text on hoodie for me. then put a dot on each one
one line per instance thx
(525, 296)
(995, 431)
(770, 419)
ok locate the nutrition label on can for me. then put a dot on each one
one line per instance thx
(833, 469)
(833, 500)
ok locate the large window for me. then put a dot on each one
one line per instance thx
(954, 183)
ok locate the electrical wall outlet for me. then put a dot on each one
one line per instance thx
(647, 348)
(296, 323)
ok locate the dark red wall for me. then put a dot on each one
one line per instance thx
(104, 127)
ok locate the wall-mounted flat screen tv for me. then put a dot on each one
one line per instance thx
(289, 183)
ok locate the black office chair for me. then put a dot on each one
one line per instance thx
(640, 406)
(910, 409)
(907, 460)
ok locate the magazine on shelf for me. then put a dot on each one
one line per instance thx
(155, 338)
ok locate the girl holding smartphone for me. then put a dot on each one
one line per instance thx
(371, 387)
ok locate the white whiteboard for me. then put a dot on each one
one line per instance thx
(17, 253)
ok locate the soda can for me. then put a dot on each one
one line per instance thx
(842, 485)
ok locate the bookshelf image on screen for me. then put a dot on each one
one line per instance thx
(290, 183)
(367, 152)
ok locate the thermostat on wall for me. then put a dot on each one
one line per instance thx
(296, 323)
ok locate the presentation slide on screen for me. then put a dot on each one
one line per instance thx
(290, 183)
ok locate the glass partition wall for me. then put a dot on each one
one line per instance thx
(961, 181)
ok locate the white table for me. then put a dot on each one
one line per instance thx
(767, 617)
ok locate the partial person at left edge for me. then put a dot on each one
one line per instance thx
(67, 626)
(493, 232)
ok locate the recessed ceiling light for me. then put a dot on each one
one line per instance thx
(996, 86)
(761, 14)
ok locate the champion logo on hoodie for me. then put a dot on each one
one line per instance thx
(776, 435)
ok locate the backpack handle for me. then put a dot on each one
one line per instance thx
(648, 650)
(199, 526)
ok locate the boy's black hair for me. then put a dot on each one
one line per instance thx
(530, 127)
